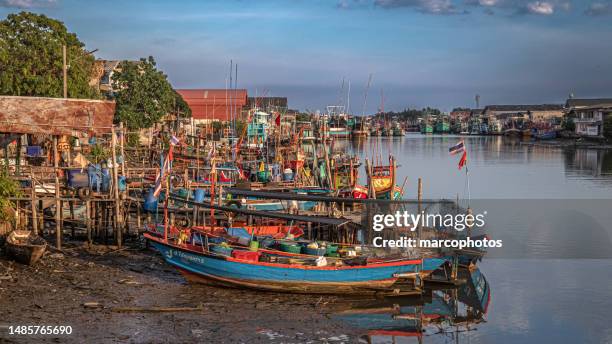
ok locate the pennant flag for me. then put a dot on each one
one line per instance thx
(170, 155)
(158, 178)
(278, 120)
(211, 154)
(174, 140)
(463, 160)
(158, 186)
(456, 149)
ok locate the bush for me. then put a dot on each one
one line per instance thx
(8, 188)
(568, 124)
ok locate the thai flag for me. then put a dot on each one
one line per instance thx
(159, 176)
(158, 185)
(174, 140)
(463, 160)
(456, 149)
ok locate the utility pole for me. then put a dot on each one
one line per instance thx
(65, 70)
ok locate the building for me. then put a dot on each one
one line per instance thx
(537, 113)
(215, 104)
(589, 115)
(460, 115)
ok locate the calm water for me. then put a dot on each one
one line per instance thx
(552, 280)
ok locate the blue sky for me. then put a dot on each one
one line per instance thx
(420, 52)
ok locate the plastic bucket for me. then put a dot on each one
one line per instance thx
(198, 195)
(150, 202)
(254, 246)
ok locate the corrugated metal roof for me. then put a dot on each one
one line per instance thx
(576, 102)
(214, 103)
(56, 116)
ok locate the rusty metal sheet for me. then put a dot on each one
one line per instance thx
(55, 116)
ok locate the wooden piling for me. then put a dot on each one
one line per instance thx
(117, 228)
(58, 205)
(33, 205)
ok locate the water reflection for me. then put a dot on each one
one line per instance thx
(593, 164)
(500, 167)
(443, 315)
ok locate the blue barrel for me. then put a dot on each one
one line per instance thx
(122, 183)
(198, 195)
(106, 178)
(95, 180)
(288, 175)
(150, 202)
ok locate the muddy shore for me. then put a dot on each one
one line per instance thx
(115, 296)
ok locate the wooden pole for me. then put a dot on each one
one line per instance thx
(58, 205)
(122, 147)
(18, 158)
(420, 199)
(33, 203)
(117, 229)
(88, 220)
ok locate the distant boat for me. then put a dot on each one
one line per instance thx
(426, 128)
(546, 135)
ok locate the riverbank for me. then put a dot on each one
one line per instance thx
(132, 296)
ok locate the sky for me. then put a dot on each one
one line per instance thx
(438, 53)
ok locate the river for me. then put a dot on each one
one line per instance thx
(551, 206)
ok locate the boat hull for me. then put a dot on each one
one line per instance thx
(228, 271)
(28, 253)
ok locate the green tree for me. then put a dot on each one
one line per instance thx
(607, 127)
(144, 95)
(568, 123)
(31, 58)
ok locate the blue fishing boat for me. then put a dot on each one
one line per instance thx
(199, 264)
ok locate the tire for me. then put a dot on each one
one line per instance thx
(84, 193)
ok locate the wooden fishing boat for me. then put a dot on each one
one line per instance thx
(383, 180)
(198, 264)
(25, 247)
(242, 236)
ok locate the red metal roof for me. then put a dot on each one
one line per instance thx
(55, 116)
(214, 103)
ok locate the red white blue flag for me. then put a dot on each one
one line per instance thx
(458, 148)
(463, 160)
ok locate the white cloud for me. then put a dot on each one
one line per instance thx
(541, 8)
(26, 3)
(425, 6)
(598, 9)
(488, 2)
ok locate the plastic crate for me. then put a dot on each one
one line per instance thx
(246, 255)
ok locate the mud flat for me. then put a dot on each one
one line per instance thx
(132, 296)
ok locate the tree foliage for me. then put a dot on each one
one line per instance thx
(144, 95)
(410, 114)
(607, 127)
(8, 188)
(31, 58)
(568, 123)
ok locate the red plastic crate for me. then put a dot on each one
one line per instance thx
(246, 255)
